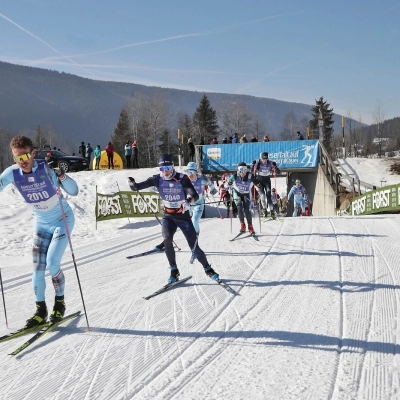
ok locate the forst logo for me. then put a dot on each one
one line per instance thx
(358, 206)
(381, 199)
(149, 203)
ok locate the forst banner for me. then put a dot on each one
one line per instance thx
(386, 199)
(297, 154)
(127, 205)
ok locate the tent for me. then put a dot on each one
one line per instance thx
(118, 163)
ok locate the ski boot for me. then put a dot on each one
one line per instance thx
(159, 247)
(58, 310)
(265, 213)
(211, 273)
(174, 274)
(40, 316)
(273, 215)
(242, 227)
(251, 229)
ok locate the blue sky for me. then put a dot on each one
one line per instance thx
(347, 51)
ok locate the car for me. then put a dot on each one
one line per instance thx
(62, 160)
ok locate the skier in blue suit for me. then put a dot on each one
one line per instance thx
(298, 192)
(40, 186)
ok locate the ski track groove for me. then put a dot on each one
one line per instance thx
(218, 350)
(341, 313)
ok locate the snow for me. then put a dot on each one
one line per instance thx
(316, 315)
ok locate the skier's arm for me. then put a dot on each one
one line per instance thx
(6, 178)
(189, 189)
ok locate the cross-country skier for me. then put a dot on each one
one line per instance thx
(264, 169)
(177, 194)
(242, 183)
(298, 192)
(38, 185)
(275, 199)
(225, 196)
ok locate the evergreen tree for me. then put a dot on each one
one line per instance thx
(205, 121)
(121, 132)
(168, 145)
(327, 115)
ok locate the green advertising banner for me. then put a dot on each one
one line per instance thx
(127, 205)
(386, 199)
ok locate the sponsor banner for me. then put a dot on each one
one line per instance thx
(297, 154)
(127, 205)
(386, 199)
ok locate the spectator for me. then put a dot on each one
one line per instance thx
(225, 141)
(299, 136)
(243, 139)
(235, 138)
(253, 139)
(191, 150)
(214, 141)
(97, 156)
(128, 154)
(110, 155)
(82, 149)
(88, 154)
(266, 138)
(135, 155)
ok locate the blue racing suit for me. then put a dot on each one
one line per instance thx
(298, 193)
(41, 190)
(196, 209)
(174, 192)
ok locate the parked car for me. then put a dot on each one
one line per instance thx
(62, 160)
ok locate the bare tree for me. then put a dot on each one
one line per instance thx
(379, 117)
(234, 118)
(290, 127)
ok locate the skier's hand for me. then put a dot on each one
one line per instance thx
(131, 183)
(186, 206)
(60, 174)
(259, 185)
(230, 183)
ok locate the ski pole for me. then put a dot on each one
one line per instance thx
(4, 301)
(72, 252)
(144, 201)
(219, 212)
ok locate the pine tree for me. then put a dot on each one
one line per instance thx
(327, 115)
(121, 132)
(205, 120)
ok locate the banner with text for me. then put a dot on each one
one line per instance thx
(386, 199)
(127, 205)
(296, 154)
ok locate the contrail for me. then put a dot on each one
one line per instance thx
(203, 33)
(42, 41)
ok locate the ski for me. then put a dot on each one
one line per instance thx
(167, 287)
(225, 286)
(235, 237)
(145, 253)
(46, 329)
(21, 332)
(255, 237)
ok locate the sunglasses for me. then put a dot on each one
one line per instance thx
(242, 170)
(22, 157)
(191, 171)
(166, 168)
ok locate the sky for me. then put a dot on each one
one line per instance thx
(316, 315)
(293, 51)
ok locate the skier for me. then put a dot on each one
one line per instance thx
(242, 182)
(263, 169)
(200, 182)
(225, 196)
(177, 193)
(298, 192)
(39, 185)
(275, 198)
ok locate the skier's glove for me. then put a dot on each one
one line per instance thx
(186, 206)
(131, 183)
(230, 183)
(214, 192)
(259, 185)
(60, 174)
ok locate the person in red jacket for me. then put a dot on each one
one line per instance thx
(110, 155)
